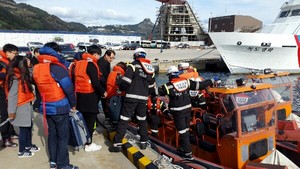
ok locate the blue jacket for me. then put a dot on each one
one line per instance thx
(61, 76)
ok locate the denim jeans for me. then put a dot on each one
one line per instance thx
(25, 138)
(58, 138)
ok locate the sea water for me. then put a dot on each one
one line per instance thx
(227, 78)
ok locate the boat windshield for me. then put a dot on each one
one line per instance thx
(295, 12)
(256, 110)
(252, 97)
(277, 80)
(256, 118)
(284, 14)
(282, 87)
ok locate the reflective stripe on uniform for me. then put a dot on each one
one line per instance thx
(182, 131)
(124, 118)
(180, 108)
(154, 131)
(156, 90)
(151, 86)
(133, 96)
(168, 92)
(197, 85)
(138, 66)
(126, 79)
(117, 144)
(141, 118)
(133, 68)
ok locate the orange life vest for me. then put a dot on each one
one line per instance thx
(23, 96)
(181, 84)
(146, 65)
(111, 86)
(47, 86)
(190, 75)
(194, 75)
(83, 82)
(71, 68)
(150, 104)
(3, 58)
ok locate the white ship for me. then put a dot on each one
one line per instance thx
(275, 46)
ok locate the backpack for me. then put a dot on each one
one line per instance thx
(114, 108)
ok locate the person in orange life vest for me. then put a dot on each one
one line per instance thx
(136, 83)
(89, 90)
(112, 89)
(7, 131)
(198, 98)
(155, 107)
(77, 57)
(55, 86)
(180, 105)
(19, 91)
(104, 66)
(117, 73)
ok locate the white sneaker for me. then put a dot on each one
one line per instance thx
(92, 147)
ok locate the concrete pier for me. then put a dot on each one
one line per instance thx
(202, 59)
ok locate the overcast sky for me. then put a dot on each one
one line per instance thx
(104, 12)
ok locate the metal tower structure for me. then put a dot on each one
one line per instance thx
(176, 22)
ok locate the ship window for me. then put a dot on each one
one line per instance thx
(295, 12)
(284, 14)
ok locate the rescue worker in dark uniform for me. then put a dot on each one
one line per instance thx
(135, 82)
(180, 105)
(155, 107)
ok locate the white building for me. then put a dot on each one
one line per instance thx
(20, 37)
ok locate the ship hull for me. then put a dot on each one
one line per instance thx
(245, 52)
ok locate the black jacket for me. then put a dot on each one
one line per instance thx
(136, 83)
(104, 67)
(181, 100)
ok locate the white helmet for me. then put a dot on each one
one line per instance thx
(172, 69)
(137, 50)
(139, 53)
(184, 65)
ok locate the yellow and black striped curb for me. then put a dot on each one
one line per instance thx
(133, 154)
